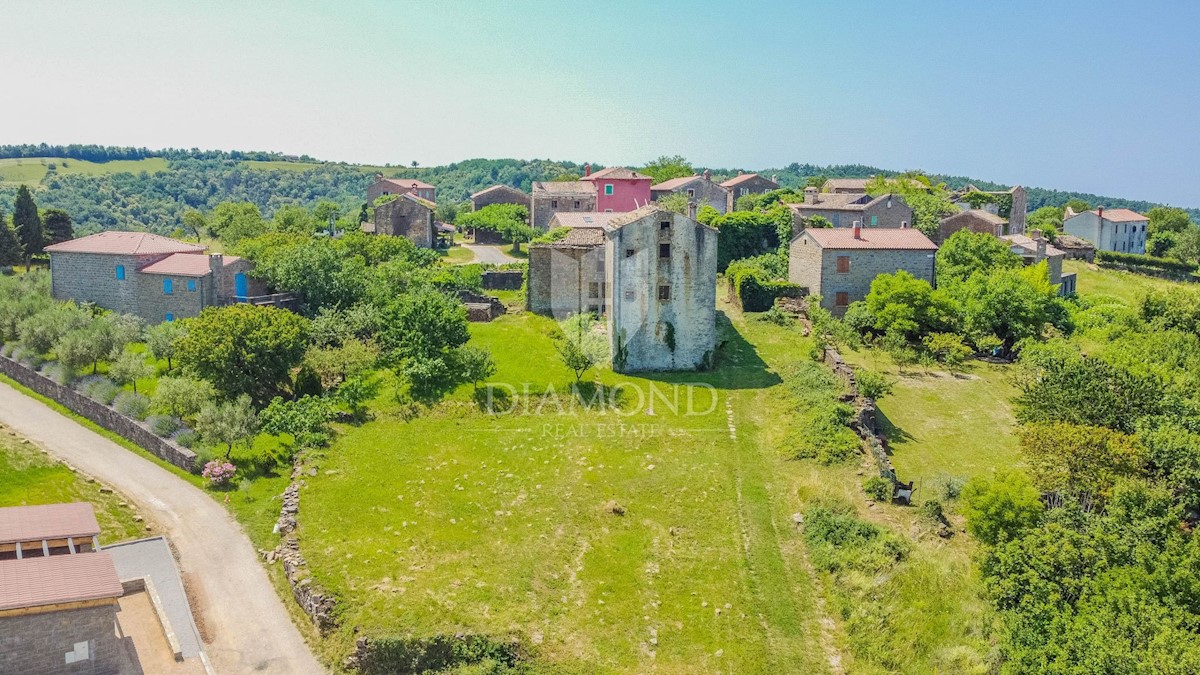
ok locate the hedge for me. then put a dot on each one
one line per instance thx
(753, 289)
(1136, 260)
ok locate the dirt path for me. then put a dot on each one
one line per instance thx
(490, 254)
(250, 628)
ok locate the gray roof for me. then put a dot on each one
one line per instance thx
(565, 187)
(842, 202)
(581, 219)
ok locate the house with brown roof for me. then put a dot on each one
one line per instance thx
(846, 209)
(1118, 230)
(399, 186)
(840, 264)
(1036, 249)
(851, 186)
(747, 184)
(498, 194)
(650, 272)
(406, 216)
(974, 220)
(58, 592)
(1010, 204)
(551, 197)
(156, 278)
(699, 190)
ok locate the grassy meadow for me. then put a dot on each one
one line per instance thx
(31, 170)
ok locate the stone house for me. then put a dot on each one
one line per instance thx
(406, 216)
(156, 278)
(840, 264)
(1011, 205)
(1074, 247)
(618, 189)
(699, 190)
(1034, 250)
(747, 184)
(846, 186)
(498, 194)
(844, 209)
(399, 186)
(58, 593)
(650, 272)
(974, 220)
(1118, 230)
(550, 197)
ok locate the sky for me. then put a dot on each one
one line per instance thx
(1097, 96)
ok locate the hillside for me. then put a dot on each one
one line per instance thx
(136, 188)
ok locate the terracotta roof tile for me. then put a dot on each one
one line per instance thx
(124, 243)
(48, 521)
(565, 187)
(581, 219)
(184, 265)
(35, 582)
(1121, 215)
(615, 173)
(738, 180)
(899, 239)
(410, 183)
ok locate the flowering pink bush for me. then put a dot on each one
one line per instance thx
(218, 472)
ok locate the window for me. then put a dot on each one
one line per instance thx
(168, 286)
(576, 203)
(386, 192)
(554, 203)
(744, 191)
(608, 210)
(169, 316)
(608, 188)
(843, 264)
(629, 295)
(120, 273)
(841, 299)
(664, 250)
(628, 253)
(593, 289)
(664, 226)
(664, 292)
(691, 192)
(874, 221)
(191, 285)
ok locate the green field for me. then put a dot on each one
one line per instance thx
(1130, 287)
(30, 477)
(31, 171)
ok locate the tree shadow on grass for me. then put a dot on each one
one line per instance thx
(736, 364)
(892, 434)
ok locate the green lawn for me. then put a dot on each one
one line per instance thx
(31, 170)
(1130, 287)
(29, 477)
(457, 255)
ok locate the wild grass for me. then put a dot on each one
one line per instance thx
(1128, 286)
(31, 170)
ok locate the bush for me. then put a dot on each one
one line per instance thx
(838, 539)
(1002, 507)
(753, 285)
(132, 405)
(931, 511)
(186, 438)
(8, 348)
(873, 384)
(777, 317)
(58, 372)
(878, 488)
(218, 472)
(1146, 261)
(103, 390)
(163, 425)
(947, 487)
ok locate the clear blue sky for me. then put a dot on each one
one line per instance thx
(1093, 96)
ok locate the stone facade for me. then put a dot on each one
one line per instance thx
(566, 279)
(549, 198)
(816, 268)
(975, 220)
(498, 194)
(406, 216)
(38, 643)
(503, 280)
(662, 295)
(746, 184)
(844, 209)
(698, 189)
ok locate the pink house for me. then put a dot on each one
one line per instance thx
(618, 189)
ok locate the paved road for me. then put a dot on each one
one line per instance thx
(490, 254)
(251, 630)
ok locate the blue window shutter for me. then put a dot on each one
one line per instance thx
(120, 273)
(191, 285)
(170, 316)
(168, 286)
(874, 221)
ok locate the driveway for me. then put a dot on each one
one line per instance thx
(250, 629)
(490, 254)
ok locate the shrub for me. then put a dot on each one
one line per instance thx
(58, 372)
(132, 405)
(1002, 507)
(931, 511)
(878, 488)
(777, 317)
(1136, 260)
(218, 472)
(8, 348)
(162, 425)
(948, 487)
(186, 438)
(103, 390)
(752, 284)
(838, 539)
(873, 384)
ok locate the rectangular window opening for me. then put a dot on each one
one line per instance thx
(664, 251)
(664, 226)
(841, 299)
(593, 289)
(608, 188)
(664, 292)
(628, 253)
(843, 264)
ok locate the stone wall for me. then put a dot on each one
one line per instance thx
(863, 423)
(405, 217)
(543, 205)
(106, 417)
(503, 280)
(316, 603)
(865, 265)
(704, 192)
(504, 196)
(566, 279)
(39, 643)
(92, 277)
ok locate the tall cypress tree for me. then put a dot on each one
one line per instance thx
(57, 224)
(11, 251)
(28, 224)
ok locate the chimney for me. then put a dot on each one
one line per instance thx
(904, 224)
(707, 175)
(858, 229)
(810, 195)
(587, 169)
(1100, 211)
(1040, 240)
(216, 265)
(692, 210)
(775, 178)
(741, 173)
(378, 176)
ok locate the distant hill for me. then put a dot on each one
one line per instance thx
(136, 188)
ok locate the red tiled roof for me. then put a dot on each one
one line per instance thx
(35, 582)
(409, 183)
(184, 265)
(124, 243)
(737, 180)
(905, 238)
(1121, 215)
(48, 521)
(615, 173)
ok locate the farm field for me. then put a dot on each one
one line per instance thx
(503, 525)
(31, 170)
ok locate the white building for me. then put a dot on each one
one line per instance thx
(1118, 230)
